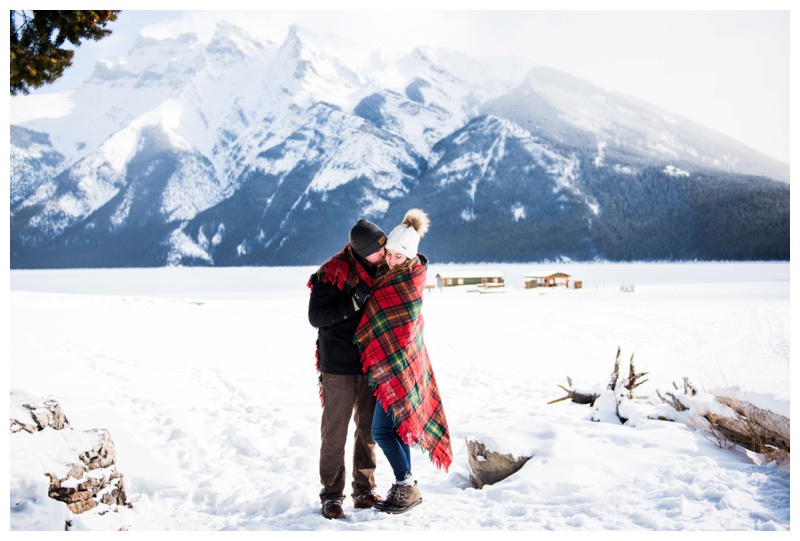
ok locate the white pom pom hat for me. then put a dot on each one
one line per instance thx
(405, 237)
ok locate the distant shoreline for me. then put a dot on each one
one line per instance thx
(246, 281)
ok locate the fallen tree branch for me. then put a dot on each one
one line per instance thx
(576, 396)
(633, 379)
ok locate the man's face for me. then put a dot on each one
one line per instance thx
(377, 256)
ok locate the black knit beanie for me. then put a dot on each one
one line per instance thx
(366, 238)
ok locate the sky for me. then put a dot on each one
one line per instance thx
(205, 380)
(726, 70)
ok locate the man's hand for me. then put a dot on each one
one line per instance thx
(361, 293)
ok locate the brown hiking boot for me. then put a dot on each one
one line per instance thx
(332, 509)
(407, 497)
(366, 501)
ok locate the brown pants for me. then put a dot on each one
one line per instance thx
(346, 397)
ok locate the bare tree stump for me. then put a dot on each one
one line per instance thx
(489, 467)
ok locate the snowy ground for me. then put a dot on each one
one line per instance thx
(205, 379)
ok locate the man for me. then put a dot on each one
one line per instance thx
(338, 291)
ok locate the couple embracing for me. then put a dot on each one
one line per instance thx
(366, 303)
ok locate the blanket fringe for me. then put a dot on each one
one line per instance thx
(438, 459)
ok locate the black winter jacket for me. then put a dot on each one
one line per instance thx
(332, 311)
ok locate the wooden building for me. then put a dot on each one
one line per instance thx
(550, 279)
(467, 278)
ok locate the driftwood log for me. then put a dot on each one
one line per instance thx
(489, 467)
(753, 427)
(743, 423)
(614, 384)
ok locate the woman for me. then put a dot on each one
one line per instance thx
(394, 357)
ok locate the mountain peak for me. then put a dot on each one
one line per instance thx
(313, 68)
(259, 153)
(230, 43)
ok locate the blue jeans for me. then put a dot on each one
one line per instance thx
(397, 452)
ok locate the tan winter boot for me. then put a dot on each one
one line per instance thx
(381, 505)
(405, 498)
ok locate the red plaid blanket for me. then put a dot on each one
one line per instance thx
(393, 354)
(342, 271)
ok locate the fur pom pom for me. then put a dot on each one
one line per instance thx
(417, 219)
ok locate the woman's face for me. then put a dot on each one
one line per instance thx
(394, 258)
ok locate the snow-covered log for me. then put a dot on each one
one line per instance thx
(614, 384)
(754, 423)
(730, 419)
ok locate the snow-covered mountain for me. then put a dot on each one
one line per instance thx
(242, 152)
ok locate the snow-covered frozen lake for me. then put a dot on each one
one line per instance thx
(247, 281)
(205, 379)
